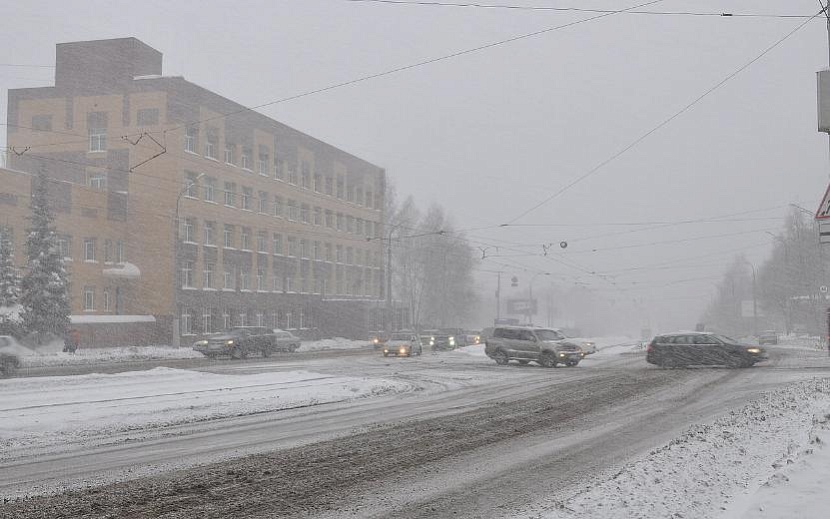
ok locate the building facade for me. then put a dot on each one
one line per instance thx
(185, 210)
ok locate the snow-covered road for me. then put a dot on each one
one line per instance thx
(452, 428)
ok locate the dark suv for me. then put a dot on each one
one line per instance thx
(527, 343)
(239, 342)
(700, 348)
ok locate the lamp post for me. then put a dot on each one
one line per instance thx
(189, 183)
(530, 295)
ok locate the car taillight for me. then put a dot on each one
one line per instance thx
(650, 347)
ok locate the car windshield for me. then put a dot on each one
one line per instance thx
(724, 339)
(549, 335)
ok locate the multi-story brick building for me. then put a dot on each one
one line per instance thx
(275, 228)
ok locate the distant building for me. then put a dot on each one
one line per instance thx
(275, 228)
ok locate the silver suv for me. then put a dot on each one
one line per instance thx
(527, 343)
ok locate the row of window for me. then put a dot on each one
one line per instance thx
(112, 251)
(280, 169)
(273, 243)
(354, 281)
(276, 205)
(108, 303)
(211, 320)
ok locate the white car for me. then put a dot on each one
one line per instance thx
(403, 345)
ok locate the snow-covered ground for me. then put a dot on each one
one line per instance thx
(767, 459)
(52, 354)
(97, 408)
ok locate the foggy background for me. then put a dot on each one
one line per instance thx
(491, 134)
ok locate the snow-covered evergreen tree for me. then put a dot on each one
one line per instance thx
(45, 284)
(9, 278)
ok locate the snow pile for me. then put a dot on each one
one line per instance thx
(337, 343)
(98, 408)
(700, 473)
(11, 313)
(52, 355)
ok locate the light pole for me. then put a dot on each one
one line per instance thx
(530, 295)
(189, 183)
(754, 300)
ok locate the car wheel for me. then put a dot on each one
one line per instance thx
(237, 353)
(524, 361)
(501, 358)
(547, 360)
(571, 364)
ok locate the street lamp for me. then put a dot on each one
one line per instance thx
(189, 183)
(530, 295)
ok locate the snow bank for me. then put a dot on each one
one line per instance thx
(708, 471)
(96, 408)
(337, 343)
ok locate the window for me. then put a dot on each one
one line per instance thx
(97, 139)
(65, 246)
(276, 283)
(340, 222)
(189, 230)
(119, 252)
(317, 252)
(277, 243)
(107, 251)
(262, 241)
(242, 319)
(245, 239)
(318, 183)
(230, 154)
(247, 194)
(306, 175)
(191, 136)
(246, 158)
(349, 256)
(349, 224)
(42, 123)
(329, 219)
(330, 186)
(350, 193)
(263, 161)
(97, 181)
(227, 237)
(89, 249)
(191, 185)
(187, 274)
(292, 246)
(210, 148)
(263, 202)
(147, 117)
(226, 320)
(279, 168)
(245, 279)
(304, 249)
(318, 216)
(278, 206)
(261, 282)
(339, 254)
(289, 287)
(293, 210)
(359, 196)
(187, 322)
(230, 194)
(228, 278)
(210, 189)
(304, 217)
(340, 187)
(329, 255)
(207, 280)
(206, 321)
(368, 199)
(260, 319)
(210, 232)
(107, 301)
(89, 299)
(292, 174)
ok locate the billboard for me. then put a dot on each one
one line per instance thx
(521, 306)
(823, 87)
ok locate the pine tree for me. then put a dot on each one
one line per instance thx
(9, 279)
(45, 284)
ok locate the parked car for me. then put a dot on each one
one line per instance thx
(285, 341)
(238, 342)
(403, 345)
(702, 348)
(10, 353)
(548, 347)
(768, 337)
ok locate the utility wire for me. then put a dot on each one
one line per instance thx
(665, 122)
(577, 9)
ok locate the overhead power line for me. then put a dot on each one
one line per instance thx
(578, 9)
(663, 123)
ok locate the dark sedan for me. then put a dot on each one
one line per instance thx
(688, 349)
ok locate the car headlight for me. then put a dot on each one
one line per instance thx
(452, 341)
(403, 349)
(229, 343)
(753, 350)
(561, 354)
(385, 350)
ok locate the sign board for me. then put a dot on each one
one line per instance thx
(823, 89)
(521, 306)
(824, 231)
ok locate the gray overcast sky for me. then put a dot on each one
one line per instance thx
(492, 133)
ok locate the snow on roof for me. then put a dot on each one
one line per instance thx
(111, 319)
(125, 271)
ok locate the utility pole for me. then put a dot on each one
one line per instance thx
(498, 296)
